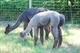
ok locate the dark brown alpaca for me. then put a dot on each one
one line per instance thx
(25, 16)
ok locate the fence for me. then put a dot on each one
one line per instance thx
(10, 10)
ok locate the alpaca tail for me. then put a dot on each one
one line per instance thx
(62, 20)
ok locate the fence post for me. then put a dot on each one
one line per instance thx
(71, 13)
(30, 3)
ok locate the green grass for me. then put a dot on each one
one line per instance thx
(12, 43)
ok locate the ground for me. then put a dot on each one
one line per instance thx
(12, 43)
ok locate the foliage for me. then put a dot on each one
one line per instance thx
(70, 8)
(10, 9)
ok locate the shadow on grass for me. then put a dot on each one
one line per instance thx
(68, 27)
(71, 48)
(67, 33)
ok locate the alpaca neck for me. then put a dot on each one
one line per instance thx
(28, 29)
(16, 24)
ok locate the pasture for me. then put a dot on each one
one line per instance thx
(12, 43)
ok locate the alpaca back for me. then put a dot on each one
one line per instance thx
(45, 18)
(29, 13)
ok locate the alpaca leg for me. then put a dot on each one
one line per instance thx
(60, 37)
(41, 35)
(35, 35)
(47, 31)
(25, 25)
(31, 33)
(55, 34)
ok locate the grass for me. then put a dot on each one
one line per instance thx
(12, 43)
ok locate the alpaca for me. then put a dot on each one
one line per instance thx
(26, 16)
(47, 18)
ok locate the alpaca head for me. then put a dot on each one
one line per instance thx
(24, 36)
(7, 29)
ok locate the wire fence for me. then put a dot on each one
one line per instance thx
(10, 10)
(72, 12)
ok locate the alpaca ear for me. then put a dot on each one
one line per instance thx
(20, 32)
(8, 25)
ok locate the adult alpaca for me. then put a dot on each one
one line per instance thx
(52, 18)
(25, 16)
